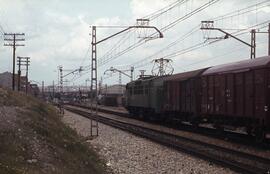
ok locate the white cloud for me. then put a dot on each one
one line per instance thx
(57, 31)
(142, 8)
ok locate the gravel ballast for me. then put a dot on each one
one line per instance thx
(126, 153)
(190, 135)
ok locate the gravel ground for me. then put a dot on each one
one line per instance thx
(126, 153)
(223, 143)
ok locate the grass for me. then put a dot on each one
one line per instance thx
(40, 134)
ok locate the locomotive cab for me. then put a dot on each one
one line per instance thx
(145, 96)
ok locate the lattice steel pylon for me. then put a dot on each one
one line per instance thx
(94, 82)
(94, 85)
(253, 44)
(61, 80)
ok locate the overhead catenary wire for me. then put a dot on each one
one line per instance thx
(203, 44)
(242, 11)
(197, 10)
(213, 57)
(161, 11)
(246, 31)
(223, 17)
(2, 31)
(226, 16)
(189, 49)
(85, 56)
(117, 45)
(180, 39)
(170, 25)
(151, 16)
(219, 56)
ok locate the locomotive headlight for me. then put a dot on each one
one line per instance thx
(265, 108)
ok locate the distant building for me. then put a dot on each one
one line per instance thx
(34, 89)
(6, 82)
(113, 90)
(112, 95)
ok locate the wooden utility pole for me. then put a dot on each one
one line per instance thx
(53, 89)
(42, 89)
(19, 73)
(23, 61)
(27, 64)
(12, 38)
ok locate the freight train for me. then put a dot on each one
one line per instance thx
(235, 95)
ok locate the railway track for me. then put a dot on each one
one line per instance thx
(225, 135)
(236, 160)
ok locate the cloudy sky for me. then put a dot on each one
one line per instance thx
(57, 33)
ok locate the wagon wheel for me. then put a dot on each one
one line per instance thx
(259, 135)
(219, 127)
(249, 131)
(195, 123)
(131, 113)
(141, 114)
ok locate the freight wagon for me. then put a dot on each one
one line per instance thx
(235, 94)
(238, 94)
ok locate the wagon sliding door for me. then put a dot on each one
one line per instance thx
(249, 94)
(204, 95)
(220, 94)
(259, 80)
(183, 96)
(239, 94)
(188, 96)
(230, 94)
(211, 95)
(267, 107)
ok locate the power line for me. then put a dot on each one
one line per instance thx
(86, 55)
(23, 61)
(2, 29)
(13, 43)
(167, 27)
(159, 12)
(245, 10)
(219, 56)
(197, 10)
(203, 44)
(117, 45)
(228, 15)
(180, 39)
(151, 16)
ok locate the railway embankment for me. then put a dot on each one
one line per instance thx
(126, 153)
(33, 139)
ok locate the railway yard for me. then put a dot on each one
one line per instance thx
(135, 87)
(119, 148)
(240, 158)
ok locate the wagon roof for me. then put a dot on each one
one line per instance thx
(239, 66)
(145, 79)
(184, 75)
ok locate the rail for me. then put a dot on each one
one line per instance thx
(236, 160)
